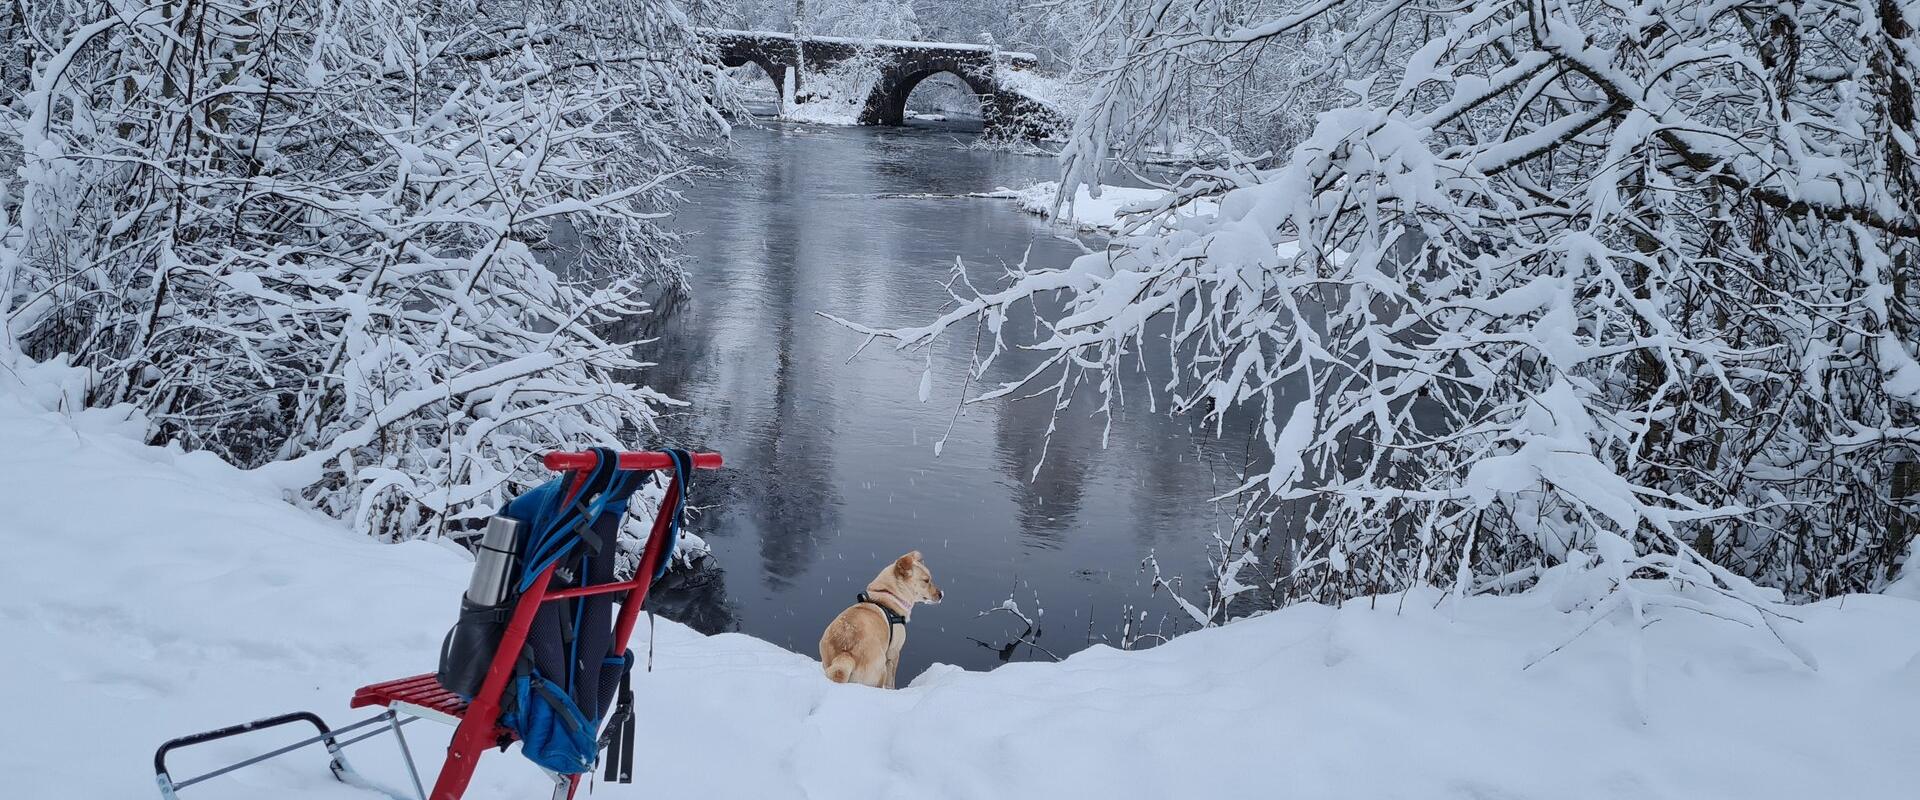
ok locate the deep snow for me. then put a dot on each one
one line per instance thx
(149, 593)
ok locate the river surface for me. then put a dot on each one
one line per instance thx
(831, 464)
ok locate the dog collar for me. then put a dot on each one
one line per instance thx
(893, 617)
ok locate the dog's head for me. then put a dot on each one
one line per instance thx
(909, 578)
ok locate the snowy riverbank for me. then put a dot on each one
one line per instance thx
(149, 593)
(1104, 214)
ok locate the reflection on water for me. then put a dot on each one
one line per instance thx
(831, 470)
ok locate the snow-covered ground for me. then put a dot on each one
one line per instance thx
(146, 593)
(825, 110)
(1103, 214)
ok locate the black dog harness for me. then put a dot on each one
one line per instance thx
(893, 617)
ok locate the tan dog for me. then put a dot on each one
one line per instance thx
(862, 645)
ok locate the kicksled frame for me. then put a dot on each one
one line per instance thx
(421, 696)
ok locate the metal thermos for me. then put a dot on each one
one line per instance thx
(493, 562)
(469, 645)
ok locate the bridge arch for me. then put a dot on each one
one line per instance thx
(739, 53)
(887, 105)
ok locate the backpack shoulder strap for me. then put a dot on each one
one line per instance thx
(569, 518)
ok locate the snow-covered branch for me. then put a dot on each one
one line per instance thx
(1547, 284)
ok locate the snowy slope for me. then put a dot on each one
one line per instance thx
(149, 593)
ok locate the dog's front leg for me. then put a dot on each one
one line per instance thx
(893, 666)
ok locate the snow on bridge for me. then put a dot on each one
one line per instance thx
(1012, 55)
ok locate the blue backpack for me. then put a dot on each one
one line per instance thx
(567, 676)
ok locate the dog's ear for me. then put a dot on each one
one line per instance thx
(903, 567)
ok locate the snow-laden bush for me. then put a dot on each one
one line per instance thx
(872, 19)
(837, 94)
(1624, 289)
(303, 234)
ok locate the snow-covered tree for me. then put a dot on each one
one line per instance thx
(875, 19)
(1625, 288)
(307, 235)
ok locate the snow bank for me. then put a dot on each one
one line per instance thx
(1103, 214)
(825, 109)
(149, 593)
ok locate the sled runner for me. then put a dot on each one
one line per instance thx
(538, 654)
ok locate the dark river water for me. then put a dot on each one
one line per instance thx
(831, 463)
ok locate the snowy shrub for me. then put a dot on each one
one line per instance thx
(837, 94)
(305, 235)
(872, 19)
(1627, 290)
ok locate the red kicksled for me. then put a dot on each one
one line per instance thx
(477, 727)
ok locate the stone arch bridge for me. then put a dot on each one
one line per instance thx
(1005, 111)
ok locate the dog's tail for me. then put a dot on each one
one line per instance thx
(840, 668)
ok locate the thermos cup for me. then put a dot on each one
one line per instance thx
(484, 609)
(493, 562)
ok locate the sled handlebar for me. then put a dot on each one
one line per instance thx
(637, 460)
